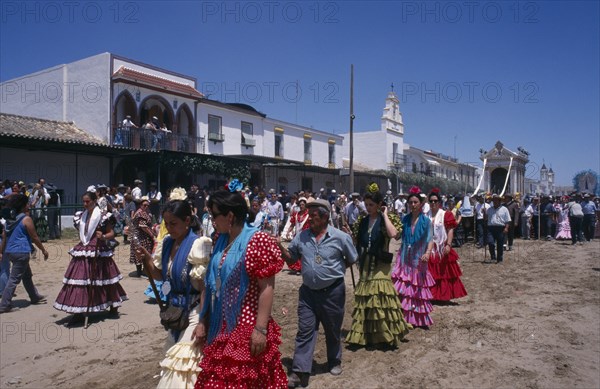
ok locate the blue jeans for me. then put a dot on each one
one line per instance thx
(325, 306)
(20, 271)
(4, 273)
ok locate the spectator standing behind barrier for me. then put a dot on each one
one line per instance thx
(526, 215)
(589, 217)
(513, 210)
(53, 212)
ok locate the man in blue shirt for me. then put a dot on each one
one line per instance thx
(589, 217)
(325, 252)
(498, 219)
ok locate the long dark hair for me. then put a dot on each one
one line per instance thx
(226, 202)
(182, 209)
(17, 202)
(376, 197)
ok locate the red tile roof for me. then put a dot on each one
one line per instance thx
(125, 73)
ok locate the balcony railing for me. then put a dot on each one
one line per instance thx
(138, 138)
(248, 142)
(398, 159)
(215, 137)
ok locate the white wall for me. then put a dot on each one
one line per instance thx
(77, 92)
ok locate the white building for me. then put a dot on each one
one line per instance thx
(381, 149)
(500, 161)
(97, 93)
(433, 164)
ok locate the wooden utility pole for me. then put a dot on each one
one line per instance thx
(351, 128)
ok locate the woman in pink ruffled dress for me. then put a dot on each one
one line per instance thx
(563, 228)
(411, 275)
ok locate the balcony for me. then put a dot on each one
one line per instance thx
(215, 137)
(398, 159)
(248, 142)
(138, 138)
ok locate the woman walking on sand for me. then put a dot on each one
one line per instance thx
(443, 263)
(377, 317)
(180, 263)
(411, 275)
(242, 339)
(91, 281)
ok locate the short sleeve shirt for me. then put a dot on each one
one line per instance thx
(325, 261)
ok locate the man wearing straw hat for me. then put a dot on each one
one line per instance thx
(498, 219)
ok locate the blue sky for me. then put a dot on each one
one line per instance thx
(523, 72)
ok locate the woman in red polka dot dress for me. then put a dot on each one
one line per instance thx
(241, 340)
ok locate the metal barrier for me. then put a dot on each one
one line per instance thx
(58, 218)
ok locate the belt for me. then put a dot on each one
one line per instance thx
(335, 284)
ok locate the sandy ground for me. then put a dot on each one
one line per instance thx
(532, 322)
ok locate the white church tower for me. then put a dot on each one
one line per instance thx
(392, 117)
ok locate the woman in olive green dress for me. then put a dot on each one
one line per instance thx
(377, 316)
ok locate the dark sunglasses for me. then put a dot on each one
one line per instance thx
(434, 201)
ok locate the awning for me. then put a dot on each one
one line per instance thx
(432, 162)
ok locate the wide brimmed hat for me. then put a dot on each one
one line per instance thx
(137, 181)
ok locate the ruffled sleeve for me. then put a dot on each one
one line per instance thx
(199, 256)
(263, 257)
(449, 221)
(77, 219)
(157, 255)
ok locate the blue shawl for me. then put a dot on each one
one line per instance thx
(414, 243)
(179, 284)
(227, 304)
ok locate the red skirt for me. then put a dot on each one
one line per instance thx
(227, 362)
(446, 273)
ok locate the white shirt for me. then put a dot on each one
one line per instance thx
(136, 193)
(399, 206)
(498, 216)
(479, 209)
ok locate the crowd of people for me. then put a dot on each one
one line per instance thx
(212, 258)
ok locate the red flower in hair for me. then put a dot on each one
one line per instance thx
(415, 190)
(435, 190)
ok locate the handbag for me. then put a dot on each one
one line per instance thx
(177, 318)
(174, 318)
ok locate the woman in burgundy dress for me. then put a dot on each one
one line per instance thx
(91, 282)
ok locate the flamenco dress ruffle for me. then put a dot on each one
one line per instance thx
(180, 367)
(91, 281)
(377, 316)
(446, 272)
(228, 364)
(413, 284)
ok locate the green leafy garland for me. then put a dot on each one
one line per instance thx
(207, 164)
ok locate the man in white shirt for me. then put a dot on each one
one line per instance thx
(498, 221)
(399, 206)
(481, 208)
(136, 192)
(126, 131)
(155, 196)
